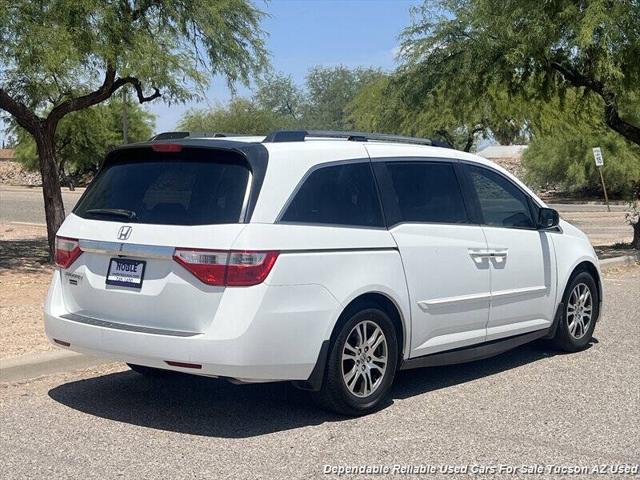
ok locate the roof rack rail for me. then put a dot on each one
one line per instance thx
(185, 134)
(301, 135)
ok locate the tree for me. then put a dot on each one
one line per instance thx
(279, 94)
(241, 116)
(329, 92)
(564, 131)
(63, 56)
(84, 137)
(397, 103)
(589, 46)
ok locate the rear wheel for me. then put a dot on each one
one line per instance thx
(150, 371)
(581, 310)
(361, 365)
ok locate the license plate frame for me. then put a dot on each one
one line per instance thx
(124, 278)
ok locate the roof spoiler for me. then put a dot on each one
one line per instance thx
(185, 134)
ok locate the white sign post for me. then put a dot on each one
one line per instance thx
(597, 155)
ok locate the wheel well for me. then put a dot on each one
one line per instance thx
(376, 300)
(591, 269)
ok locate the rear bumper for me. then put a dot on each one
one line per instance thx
(281, 341)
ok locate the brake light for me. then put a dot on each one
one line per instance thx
(67, 251)
(249, 268)
(227, 268)
(209, 266)
(166, 147)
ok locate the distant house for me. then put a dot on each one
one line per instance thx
(508, 157)
(7, 154)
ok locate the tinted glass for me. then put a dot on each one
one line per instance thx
(502, 203)
(172, 191)
(427, 192)
(341, 195)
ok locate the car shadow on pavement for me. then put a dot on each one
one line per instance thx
(214, 407)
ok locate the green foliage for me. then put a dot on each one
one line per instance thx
(83, 138)
(242, 116)
(277, 93)
(279, 104)
(330, 91)
(467, 49)
(394, 104)
(54, 50)
(560, 153)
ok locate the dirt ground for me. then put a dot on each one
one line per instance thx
(24, 280)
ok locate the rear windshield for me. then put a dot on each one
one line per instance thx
(187, 188)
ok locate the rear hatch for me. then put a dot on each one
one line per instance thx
(143, 205)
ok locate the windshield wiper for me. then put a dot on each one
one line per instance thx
(115, 212)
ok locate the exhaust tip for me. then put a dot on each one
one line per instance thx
(62, 342)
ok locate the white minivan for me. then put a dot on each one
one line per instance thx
(329, 259)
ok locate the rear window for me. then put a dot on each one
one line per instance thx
(189, 188)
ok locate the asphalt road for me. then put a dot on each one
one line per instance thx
(19, 204)
(526, 407)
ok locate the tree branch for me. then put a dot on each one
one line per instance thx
(106, 90)
(25, 117)
(611, 115)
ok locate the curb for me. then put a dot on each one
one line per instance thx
(36, 365)
(626, 260)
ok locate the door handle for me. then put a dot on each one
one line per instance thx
(478, 254)
(499, 255)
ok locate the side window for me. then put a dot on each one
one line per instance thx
(427, 192)
(501, 202)
(340, 195)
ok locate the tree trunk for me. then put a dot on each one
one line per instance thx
(635, 243)
(53, 206)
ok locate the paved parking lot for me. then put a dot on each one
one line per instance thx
(529, 406)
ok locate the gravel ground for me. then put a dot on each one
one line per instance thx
(24, 280)
(529, 406)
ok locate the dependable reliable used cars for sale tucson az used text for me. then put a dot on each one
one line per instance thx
(328, 259)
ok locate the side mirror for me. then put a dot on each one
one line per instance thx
(548, 218)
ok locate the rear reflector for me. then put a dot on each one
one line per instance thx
(62, 342)
(67, 251)
(166, 147)
(183, 365)
(227, 268)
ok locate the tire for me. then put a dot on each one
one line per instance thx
(570, 336)
(335, 394)
(150, 372)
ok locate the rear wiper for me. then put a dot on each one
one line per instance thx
(116, 212)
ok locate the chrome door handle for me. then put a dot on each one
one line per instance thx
(478, 254)
(499, 255)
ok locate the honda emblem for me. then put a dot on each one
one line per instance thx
(124, 233)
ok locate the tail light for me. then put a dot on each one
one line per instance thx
(67, 251)
(227, 268)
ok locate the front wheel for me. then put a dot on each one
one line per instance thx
(581, 310)
(361, 365)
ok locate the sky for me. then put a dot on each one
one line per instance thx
(305, 33)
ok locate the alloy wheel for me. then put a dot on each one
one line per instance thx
(364, 359)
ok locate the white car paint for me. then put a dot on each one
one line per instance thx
(447, 292)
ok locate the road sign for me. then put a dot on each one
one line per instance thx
(597, 154)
